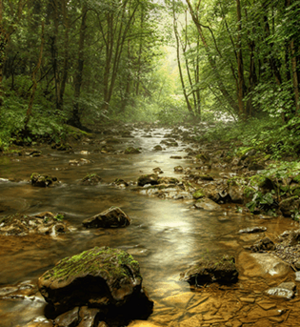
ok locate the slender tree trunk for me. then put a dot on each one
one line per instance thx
(212, 63)
(190, 109)
(34, 82)
(295, 76)
(54, 52)
(197, 79)
(140, 57)
(75, 120)
(66, 55)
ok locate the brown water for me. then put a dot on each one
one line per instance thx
(165, 236)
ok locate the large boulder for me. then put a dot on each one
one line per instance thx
(222, 271)
(113, 217)
(103, 278)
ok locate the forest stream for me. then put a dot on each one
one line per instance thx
(165, 236)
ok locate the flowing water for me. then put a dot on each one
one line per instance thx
(165, 236)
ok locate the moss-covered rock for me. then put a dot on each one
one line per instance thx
(91, 179)
(132, 150)
(158, 148)
(43, 180)
(103, 278)
(198, 194)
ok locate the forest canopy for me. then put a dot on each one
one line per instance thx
(85, 62)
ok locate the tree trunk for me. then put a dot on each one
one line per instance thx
(212, 63)
(190, 109)
(241, 81)
(66, 55)
(34, 82)
(75, 120)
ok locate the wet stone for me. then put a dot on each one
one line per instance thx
(262, 265)
(285, 290)
(267, 305)
(113, 217)
(207, 204)
(69, 318)
(120, 183)
(132, 150)
(148, 179)
(178, 169)
(43, 180)
(265, 244)
(79, 162)
(158, 148)
(91, 179)
(297, 274)
(158, 170)
(88, 317)
(221, 271)
(257, 229)
(247, 299)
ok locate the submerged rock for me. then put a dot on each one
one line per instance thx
(178, 169)
(120, 183)
(113, 217)
(284, 290)
(262, 245)
(157, 148)
(43, 180)
(256, 229)
(158, 170)
(79, 162)
(102, 281)
(132, 150)
(262, 265)
(207, 204)
(209, 271)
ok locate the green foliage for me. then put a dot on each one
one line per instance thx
(265, 135)
(59, 217)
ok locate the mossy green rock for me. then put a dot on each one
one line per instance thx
(91, 179)
(97, 278)
(198, 194)
(42, 180)
(132, 150)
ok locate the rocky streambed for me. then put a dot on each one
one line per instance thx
(214, 241)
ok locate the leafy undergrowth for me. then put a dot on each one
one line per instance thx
(267, 135)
